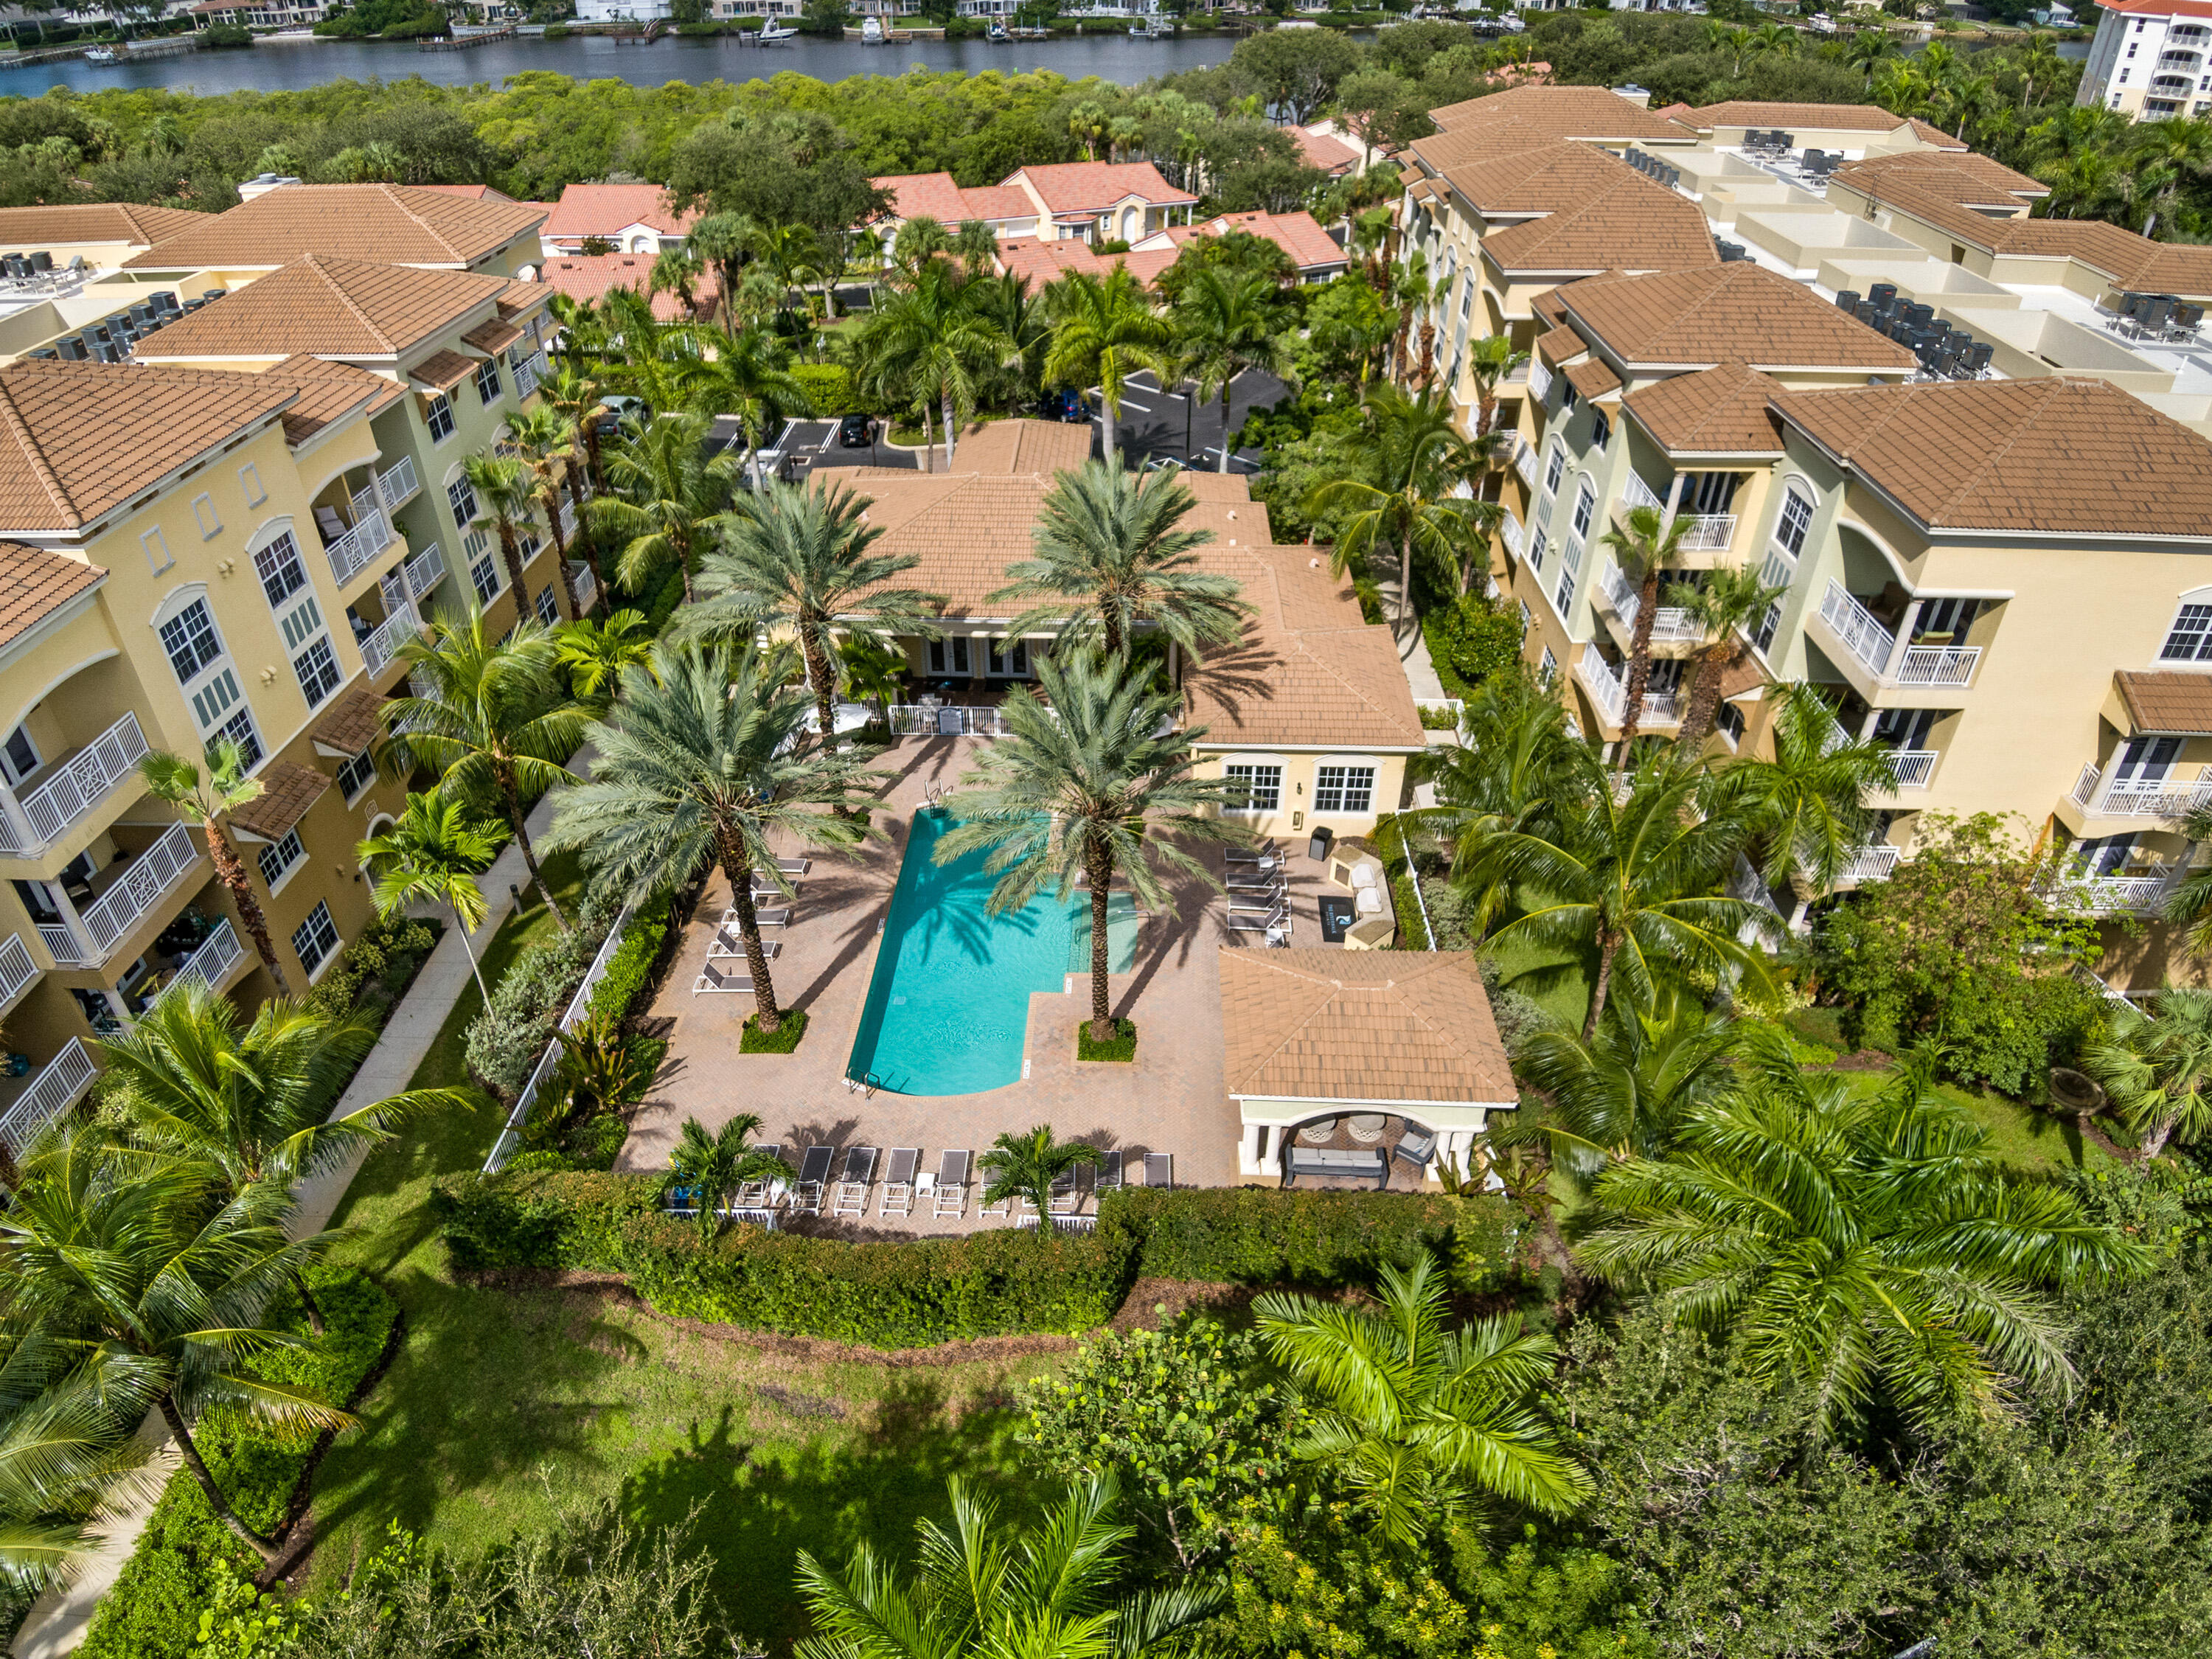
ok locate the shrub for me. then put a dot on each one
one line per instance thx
(831, 388)
(664, 602)
(505, 1040)
(629, 970)
(1270, 1236)
(557, 31)
(1473, 638)
(783, 1040)
(226, 34)
(1121, 1046)
(388, 952)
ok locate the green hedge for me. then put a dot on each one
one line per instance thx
(1305, 1236)
(629, 970)
(828, 388)
(153, 1612)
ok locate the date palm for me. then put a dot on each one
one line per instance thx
(1804, 808)
(1093, 780)
(488, 717)
(934, 337)
(545, 446)
(1726, 605)
(665, 499)
(716, 1164)
(1103, 331)
(1111, 557)
(1415, 1418)
(1028, 1166)
(700, 761)
(797, 557)
(2157, 1072)
(1224, 324)
(1871, 1247)
(1645, 544)
(503, 507)
(433, 853)
(177, 782)
(746, 374)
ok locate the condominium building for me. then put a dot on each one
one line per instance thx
(2149, 59)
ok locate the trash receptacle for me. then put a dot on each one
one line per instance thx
(1318, 848)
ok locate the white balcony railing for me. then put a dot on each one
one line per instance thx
(371, 534)
(79, 784)
(1611, 696)
(567, 520)
(1637, 493)
(145, 881)
(1868, 864)
(2141, 797)
(1861, 632)
(1524, 459)
(398, 485)
(1912, 767)
(1937, 665)
(952, 720)
(56, 1088)
(1540, 380)
(212, 962)
(585, 584)
(1706, 532)
(17, 970)
(425, 570)
(381, 643)
(2120, 895)
(1511, 533)
(1671, 625)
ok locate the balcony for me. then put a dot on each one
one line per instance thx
(2117, 895)
(213, 963)
(1540, 380)
(1611, 696)
(1868, 864)
(587, 585)
(59, 1086)
(2183, 62)
(1874, 647)
(1515, 539)
(528, 373)
(1671, 625)
(17, 970)
(2139, 797)
(144, 883)
(80, 783)
(1912, 767)
(425, 570)
(1524, 460)
(381, 645)
(1634, 493)
(1706, 532)
(398, 485)
(352, 553)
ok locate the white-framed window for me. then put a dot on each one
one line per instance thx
(487, 386)
(1566, 595)
(948, 656)
(1728, 718)
(1548, 669)
(240, 730)
(249, 480)
(194, 645)
(461, 496)
(156, 547)
(1585, 503)
(1601, 428)
(483, 568)
(316, 939)
(1554, 467)
(549, 605)
(1526, 617)
(20, 756)
(1795, 520)
(1012, 661)
(438, 417)
(1537, 542)
(1262, 781)
(2190, 639)
(205, 516)
(1763, 635)
(354, 777)
(1344, 789)
(278, 859)
(317, 669)
(281, 571)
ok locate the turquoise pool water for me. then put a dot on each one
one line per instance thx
(949, 1001)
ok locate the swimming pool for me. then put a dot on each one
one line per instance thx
(949, 1001)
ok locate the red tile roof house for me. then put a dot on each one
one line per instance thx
(635, 218)
(1101, 201)
(590, 277)
(1312, 250)
(1008, 211)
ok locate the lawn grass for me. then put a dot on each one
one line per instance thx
(2032, 1142)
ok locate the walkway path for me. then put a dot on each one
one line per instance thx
(1421, 676)
(57, 1621)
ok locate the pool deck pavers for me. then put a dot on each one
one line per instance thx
(1170, 1100)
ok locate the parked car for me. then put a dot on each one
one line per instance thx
(856, 432)
(618, 408)
(1064, 406)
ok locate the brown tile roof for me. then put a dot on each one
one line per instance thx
(2126, 259)
(588, 276)
(1043, 262)
(330, 391)
(1364, 1026)
(1627, 216)
(1046, 447)
(494, 336)
(1589, 113)
(1743, 674)
(1541, 177)
(1324, 150)
(1715, 411)
(1955, 193)
(78, 439)
(34, 584)
(1593, 377)
(287, 793)
(1928, 133)
(353, 722)
(1299, 234)
(935, 196)
(474, 193)
(442, 370)
(1686, 319)
(1798, 117)
(1558, 345)
(605, 209)
(1083, 186)
(2166, 702)
(393, 223)
(1310, 670)
(43, 228)
(2053, 456)
(332, 308)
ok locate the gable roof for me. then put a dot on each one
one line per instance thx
(605, 210)
(1722, 410)
(328, 392)
(1699, 317)
(392, 224)
(1546, 112)
(93, 222)
(1084, 186)
(1044, 262)
(34, 584)
(1299, 234)
(935, 196)
(590, 276)
(1630, 217)
(1021, 446)
(332, 308)
(1324, 150)
(1381, 1026)
(2042, 456)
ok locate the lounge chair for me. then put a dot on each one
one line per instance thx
(1263, 903)
(1416, 1146)
(1109, 1170)
(952, 1183)
(1254, 881)
(1266, 854)
(728, 943)
(713, 979)
(1068, 1191)
(998, 1207)
(794, 867)
(813, 1172)
(1159, 1169)
(897, 1195)
(760, 1192)
(763, 916)
(859, 1175)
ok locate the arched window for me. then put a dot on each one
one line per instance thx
(185, 623)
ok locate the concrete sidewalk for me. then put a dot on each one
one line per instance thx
(57, 1621)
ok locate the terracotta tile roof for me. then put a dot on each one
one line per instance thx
(472, 192)
(1297, 234)
(1325, 150)
(395, 224)
(287, 793)
(1533, 178)
(78, 439)
(1559, 344)
(609, 210)
(441, 371)
(589, 277)
(1147, 265)
(1715, 411)
(1595, 221)
(1743, 674)
(34, 584)
(2167, 702)
(935, 196)
(1589, 112)
(43, 228)
(1686, 319)
(493, 337)
(330, 391)
(1084, 186)
(1593, 377)
(2123, 258)
(1360, 1026)
(1033, 446)
(352, 723)
(332, 307)
(1927, 133)
(2054, 456)
(1233, 488)
(1045, 262)
(1310, 671)
(1798, 117)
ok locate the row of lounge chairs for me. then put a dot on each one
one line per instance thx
(1259, 885)
(771, 909)
(942, 1195)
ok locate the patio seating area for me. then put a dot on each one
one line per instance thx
(1359, 1149)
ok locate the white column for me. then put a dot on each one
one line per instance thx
(17, 826)
(1898, 644)
(1673, 502)
(72, 920)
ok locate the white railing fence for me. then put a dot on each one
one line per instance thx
(588, 585)
(210, 964)
(425, 570)
(1869, 863)
(952, 720)
(1707, 533)
(510, 1137)
(1524, 458)
(1511, 533)
(1937, 665)
(56, 1088)
(1912, 767)
(1671, 625)
(381, 643)
(16, 968)
(80, 783)
(397, 485)
(145, 879)
(1860, 630)
(371, 534)
(1637, 493)
(1611, 693)
(1540, 378)
(62, 944)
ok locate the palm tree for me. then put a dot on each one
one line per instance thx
(503, 499)
(1777, 39)
(747, 374)
(1103, 331)
(1726, 605)
(1225, 324)
(715, 1165)
(2039, 63)
(545, 447)
(667, 497)
(799, 557)
(721, 240)
(595, 654)
(1491, 360)
(433, 852)
(65, 1447)
(125, 1259)
(1867, 50)
(1739, 41)
(1420, 459)
(650, 360)
(1804, 808)
(2157, 1072)
(675, 271)
(1110, 557)
(702, 762)
(1871, 1247)
(1029, 1166)
(488, 718)
(175, 781)
(1647, 543)
(933, 337)
(982, 1592)
(1093, 780)
(1414, 1419)
(2189, 905)
(573, 390)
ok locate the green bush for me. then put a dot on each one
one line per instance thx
(557, 31)
(226, 34)
(1473, 638)
(784, 1039)
(1121, 1048)
(830, 389)
(1269, 1234)
(629, 970)
(504, 1042)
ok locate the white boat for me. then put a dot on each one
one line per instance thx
(998, 31)
(774, 34)
(872, 31)
(102, 55)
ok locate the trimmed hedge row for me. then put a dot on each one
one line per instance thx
(630, 968)
(997, 1282)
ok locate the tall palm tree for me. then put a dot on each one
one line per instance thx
(545, 447)
(433, 852)
(1103, 331)
(1804, 810)
(503, 507)
(177, 782)
(575, 390)
(2039, 63)
(934, 337)
(1867, 50)
(1225, 324)
(981, 1592)
(1094, 779)
(649, 360)
(66, 1451)
(1645, 544)
(1727, 605)
(797, 557)
(1414, 1417)
(666, 498)
(488, 718)
(126, 1259)
(1869, 1246)
(1491, 360)
(702, 762)
(747, 374)
(716, 1164)
(2157, 1072)
(1028, 1166)
(722, 241)
(595, 654)
(1111, 557)
(675, 273)
(1420, 460)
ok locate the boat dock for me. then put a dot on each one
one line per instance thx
(459, 42)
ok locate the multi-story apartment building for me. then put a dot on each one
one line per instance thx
(2150, 59)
